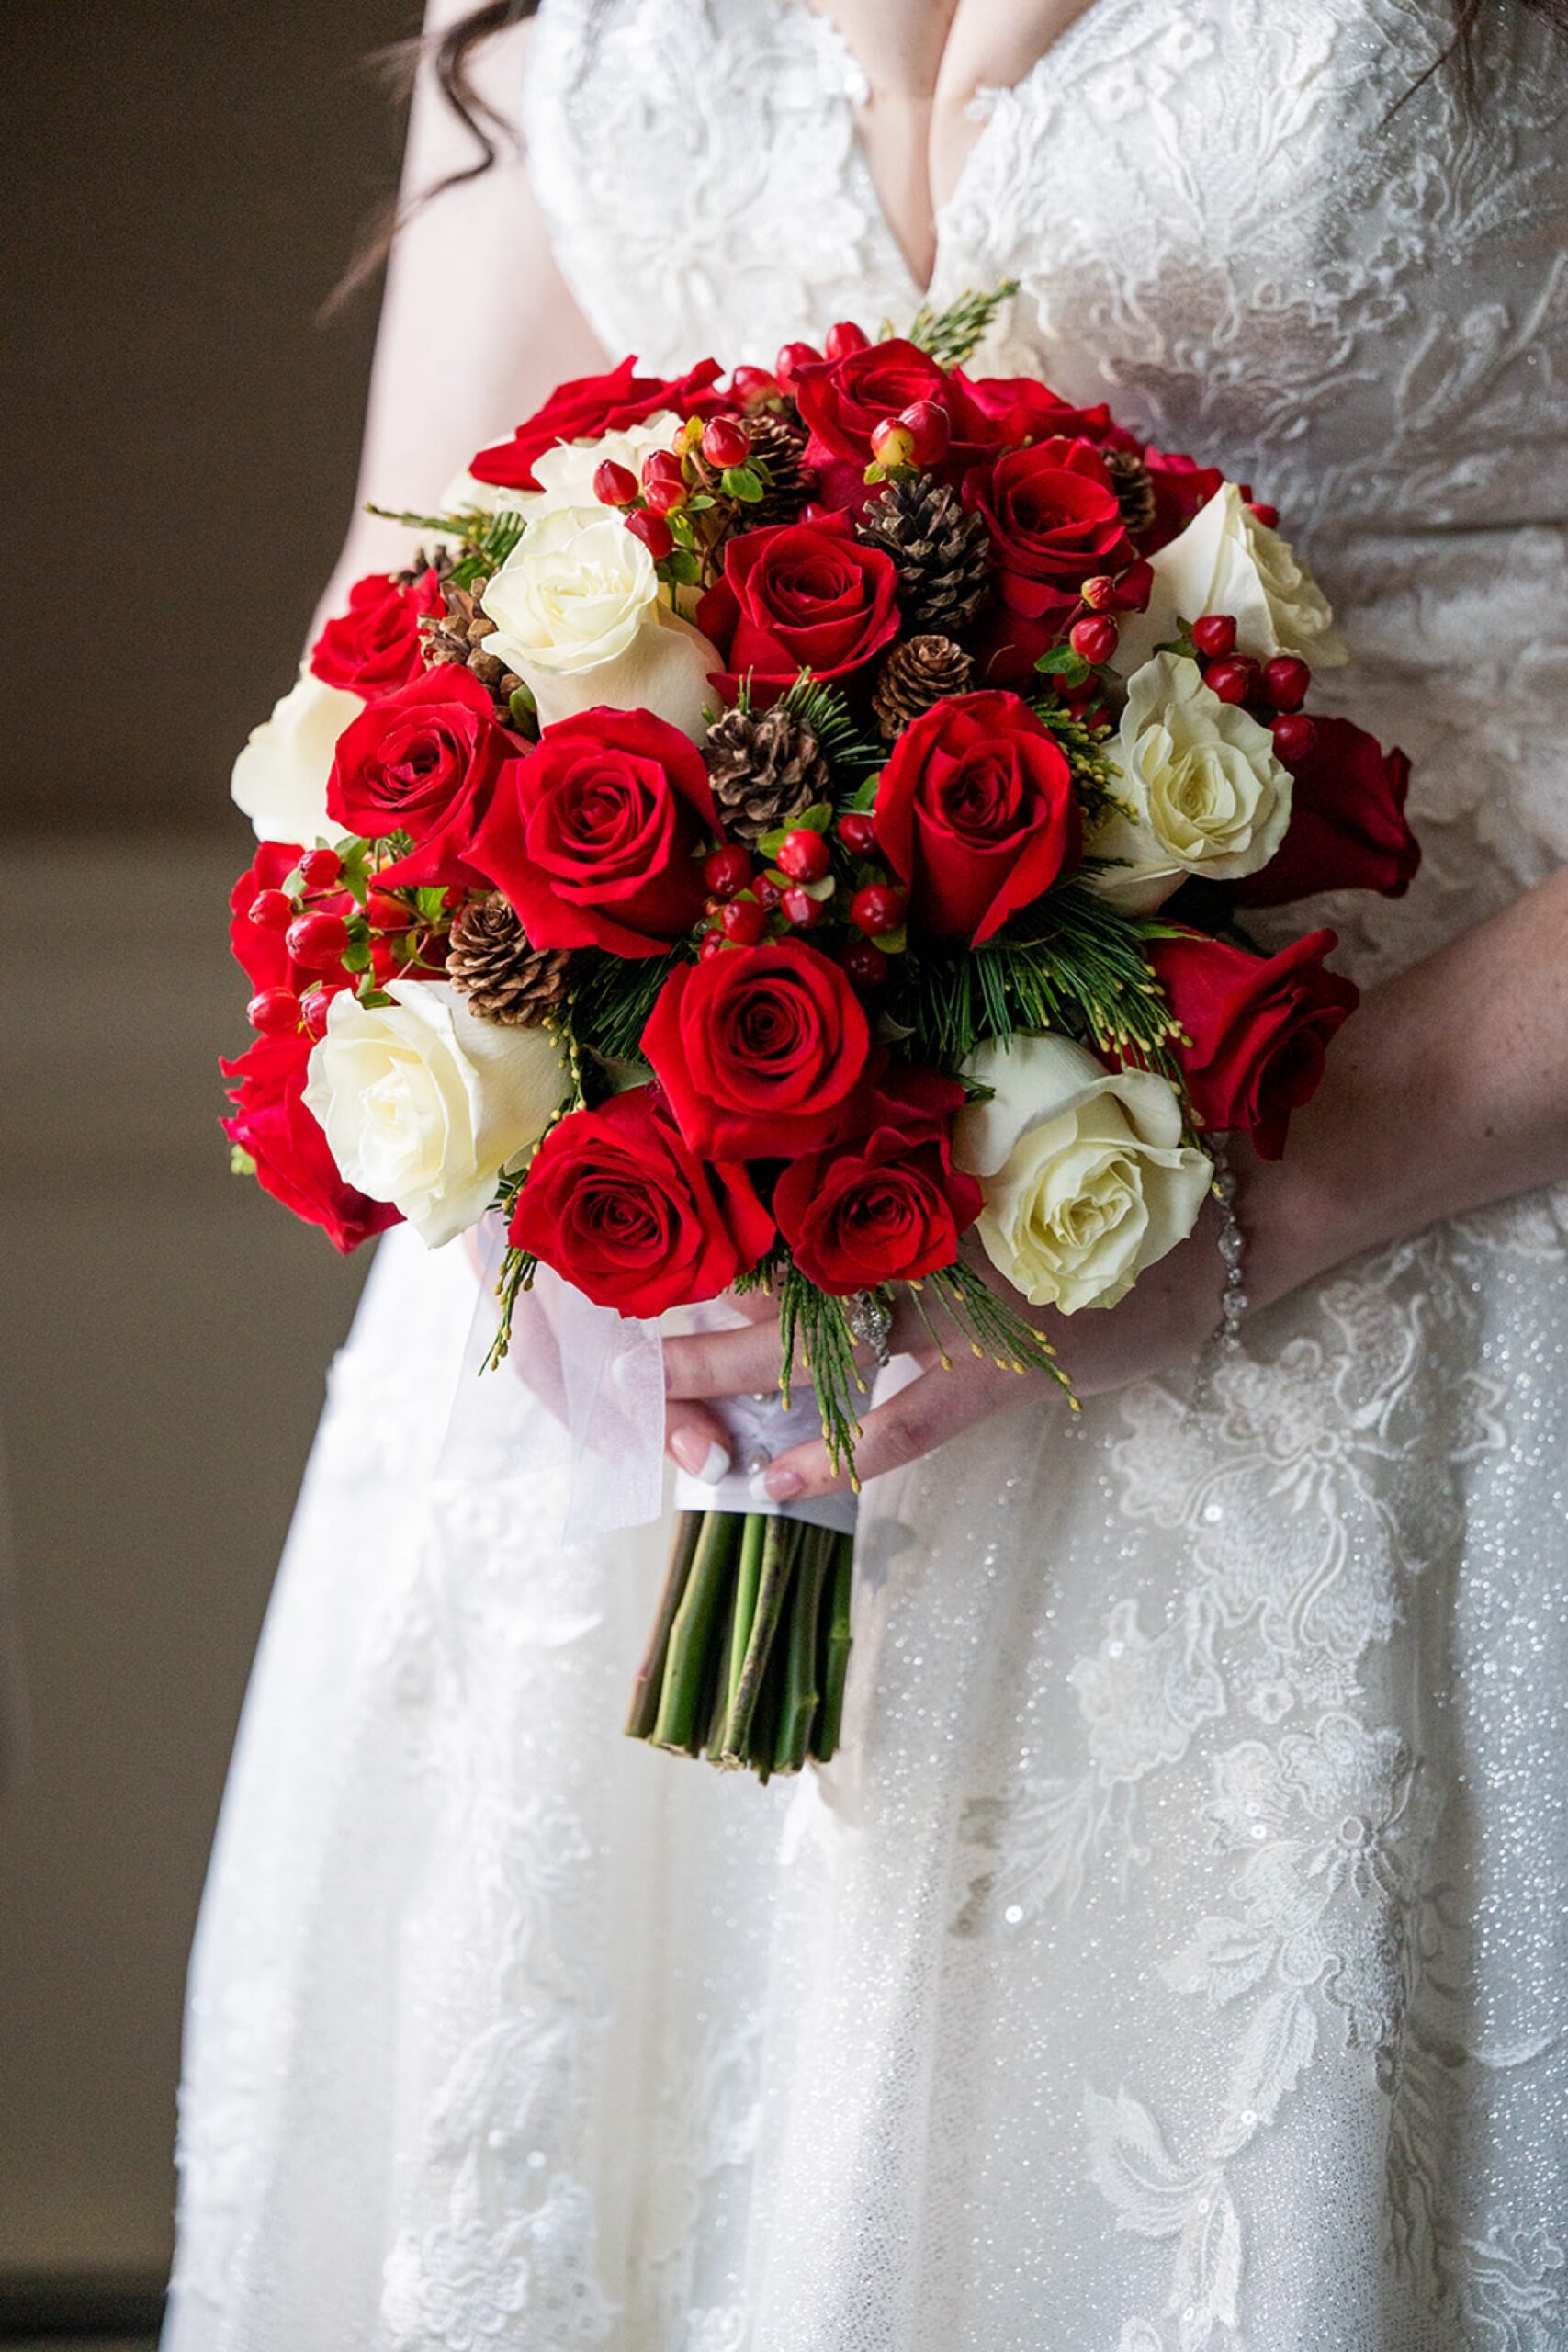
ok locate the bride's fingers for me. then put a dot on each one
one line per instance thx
(726, 1364)
(697, 1439)
(926, 1413)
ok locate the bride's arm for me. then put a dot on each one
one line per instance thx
(1446, 1091)
(477, 326)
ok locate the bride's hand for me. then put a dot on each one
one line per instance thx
(1164, 1320)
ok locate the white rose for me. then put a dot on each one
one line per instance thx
(1228, 561)
(1207, 792)
(424, 1104)
(1084, 1175)
(565, 474)
(579, 616)
(280, 777)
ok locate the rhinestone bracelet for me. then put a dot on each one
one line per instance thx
(1226, 1341)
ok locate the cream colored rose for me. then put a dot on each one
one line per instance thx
(424, 1104)
(1085, 1176)
(1228, 561)
(1206, 793)
(280, 777)
(565, 474)
(579, 616)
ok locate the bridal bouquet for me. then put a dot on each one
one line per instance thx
(793, 834)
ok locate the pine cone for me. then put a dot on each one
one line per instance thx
(504, 980)
(1134, 489)
(922, 670)
(765, 768)
(939, 548)
(459, 637)
(778, 442)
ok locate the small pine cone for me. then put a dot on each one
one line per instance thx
(941, 548)
(765, 768)
(779, 442)
(922, 670)
(504, 980)
(437, 559)
(1133, 487)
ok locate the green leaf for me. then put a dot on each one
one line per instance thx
(741, 482)
(684, 567)
(525, 711)
(357, 955)
(1062, 663)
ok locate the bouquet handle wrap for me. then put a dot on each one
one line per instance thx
(760, 1427)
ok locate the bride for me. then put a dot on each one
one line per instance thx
(1174, 1959)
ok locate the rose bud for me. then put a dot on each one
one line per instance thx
(614, 485)
(791, 360)
(726, 442)
(803, 855)
(274, 1012)
(1094, 639)
(892, 444)
(930, 430)
(272, 910)
(320, 869)
(1286, 680)
(753, 386)
(317, 940)
(1213, 634)
(653, 531)
(845, 337)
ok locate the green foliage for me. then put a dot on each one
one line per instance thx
(849, 750)
(485, 541)
(610, 1005)
(819, 1324)
(1088, 755)
(952, 334)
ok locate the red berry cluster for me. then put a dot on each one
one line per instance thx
(1272, 691)
(666, 508)
(327, 933)
(802, 887)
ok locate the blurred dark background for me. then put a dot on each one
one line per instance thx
(185, 185)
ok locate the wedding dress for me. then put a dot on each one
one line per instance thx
(1174, 1960)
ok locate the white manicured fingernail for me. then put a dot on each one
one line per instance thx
(709, 1463)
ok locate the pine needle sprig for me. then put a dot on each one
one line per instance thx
(849, 750)
(518, 1268)
(993, 1328)
(486, 540)
(1088, 755)
(611, 1004)
(952, 334)
(819, 1324)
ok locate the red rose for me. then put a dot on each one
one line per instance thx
(1054, 519)
(760, 1050)
(376, 644)
(261, 950)
(423, 761)
(293, 1161)
(802, 596)
(889, 1208)
(975, 812)
(617, 1204)
(1259, 1027)
(841, 400)
(1003, 411)
(1347, 829)
(595, 846)
(588, 406)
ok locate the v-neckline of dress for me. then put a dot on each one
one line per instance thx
(990, 98)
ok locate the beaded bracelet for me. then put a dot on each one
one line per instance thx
(1226, 1341)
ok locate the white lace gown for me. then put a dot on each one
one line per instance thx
(1175, 1959)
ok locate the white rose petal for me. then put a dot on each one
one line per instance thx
(1085, 1176)
(280, 777)
(565, 474)
(579, 615)
(424, 1104)
(1228, 561)
(1208, 794)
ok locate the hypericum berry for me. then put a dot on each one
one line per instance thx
(866, 964)
(1098, 594)
(803, 855)
(879, 908)
(791, 360)
(1261, 512)
(1096, 639)
(726, 442)
(844, 339)
(317, 940)
(713, 943)
(1292, 732)
(387, 958)
(930, 428)
(768, 892)
(274, 1012)
(313, 1009)
(1286, 680)
(1213, 634)
(743, 922)
(320, 869)
(1234, 680)
(665, 493)
(727, 870)
(801, 909)
(271, 910)
(614, 485)
(653, 531)
(752, 386)
(892, 444)
(383, 912)
(857, 831)
(1134, 587)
